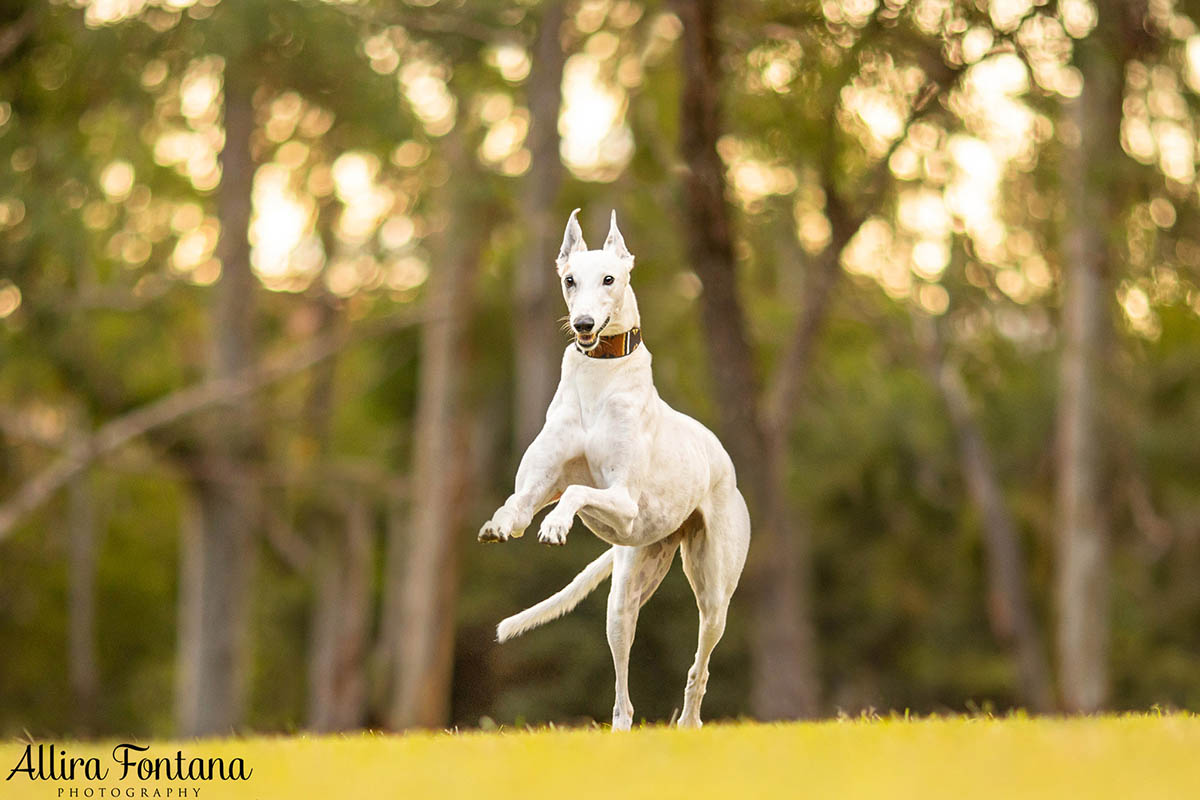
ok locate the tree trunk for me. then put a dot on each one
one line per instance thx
(81, 625)
(1082, 544)
(341, 617)
(1094, 171)
(784, 677)
(784, 684)
(217, 556)
(1009, 609)
(342, 569)
(536, 350)
(1090, 169)
(426, 595)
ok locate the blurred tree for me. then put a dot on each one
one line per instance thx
(342, 556)
(536, 355)
(852, 185)
(1010, 608)
(340, 627)
(1094, 169)
(421, 687)
(217, 567)
(785, 682)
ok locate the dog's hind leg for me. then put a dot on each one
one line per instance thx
(654, 562)
(713, 558)
(637, 572)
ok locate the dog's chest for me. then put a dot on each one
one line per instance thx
(608, 418)
(601, 386)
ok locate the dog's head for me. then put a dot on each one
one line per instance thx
(594, 282)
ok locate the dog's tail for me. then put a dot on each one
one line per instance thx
(560, 602)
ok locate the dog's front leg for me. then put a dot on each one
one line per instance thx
(616, 460)
(615, 505)
(539, 479)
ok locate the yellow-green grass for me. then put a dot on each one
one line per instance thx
(1152, 756)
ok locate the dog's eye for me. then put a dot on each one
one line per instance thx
(568, 281)
(608, 279)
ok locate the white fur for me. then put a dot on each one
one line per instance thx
(642, 476)
(559, 603)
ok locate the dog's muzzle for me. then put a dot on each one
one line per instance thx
(588, 340)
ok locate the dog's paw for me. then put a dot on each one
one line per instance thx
(553, 532)
(491, 532)
(500, 528)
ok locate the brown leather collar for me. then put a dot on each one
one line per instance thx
(615, 346)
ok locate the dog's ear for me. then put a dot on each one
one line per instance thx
(615, 243)
(572, 241)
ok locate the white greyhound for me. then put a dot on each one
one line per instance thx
(642, 476)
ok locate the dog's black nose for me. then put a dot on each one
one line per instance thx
(584, 324)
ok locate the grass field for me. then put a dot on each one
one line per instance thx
(1151, 756)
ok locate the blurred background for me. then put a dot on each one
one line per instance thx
(278, 317)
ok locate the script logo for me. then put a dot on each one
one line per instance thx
(129, 762)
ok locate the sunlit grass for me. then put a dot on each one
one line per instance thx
(1107, 757)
